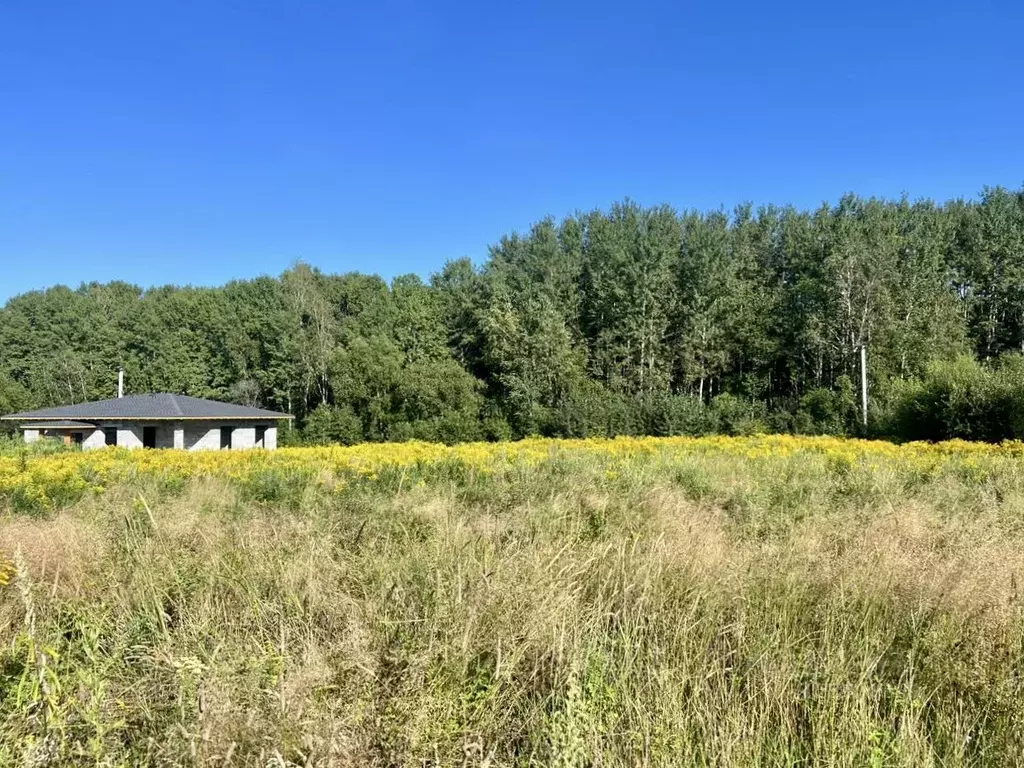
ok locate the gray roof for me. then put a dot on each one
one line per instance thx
(148, 407)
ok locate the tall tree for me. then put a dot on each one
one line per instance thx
(606, 322)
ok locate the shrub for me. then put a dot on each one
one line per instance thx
(961, 399)
(825, 411)
(592, 410)
(332, 424)
(666, 415)
(495, 428)
(449, 428)
(737, 416)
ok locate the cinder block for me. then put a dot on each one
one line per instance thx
(243, 438)
(94, 439)
(202, 437)
(129, 436)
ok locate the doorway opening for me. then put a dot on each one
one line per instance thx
(149, 437)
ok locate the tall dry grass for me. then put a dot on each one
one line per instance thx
(709, 611)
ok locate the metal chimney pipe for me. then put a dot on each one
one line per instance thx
(120, 382)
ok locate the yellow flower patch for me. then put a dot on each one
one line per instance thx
(51, 481)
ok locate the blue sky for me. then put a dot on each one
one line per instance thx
(202, 140)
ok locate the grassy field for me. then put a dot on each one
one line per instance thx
(718, 601)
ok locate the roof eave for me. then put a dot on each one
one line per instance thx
(46, 425)
(275, 417)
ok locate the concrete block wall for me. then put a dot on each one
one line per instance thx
(94, 439)
(202, 437)
(98, 438)
(196, 436)
(243, 438)
(164, 435)
(129, 436)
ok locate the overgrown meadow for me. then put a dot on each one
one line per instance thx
(681, 601)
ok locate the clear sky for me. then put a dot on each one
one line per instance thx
(197, 141)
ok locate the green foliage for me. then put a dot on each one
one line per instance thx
(625, 321)
(274, 486)
(738, 416)
(591, 410)
(333, 424)
(13, 397)
(14, 445)
(828, 411)
(665, 415)
(964, 399)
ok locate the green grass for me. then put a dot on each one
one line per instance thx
(14, 445)
(710, 611)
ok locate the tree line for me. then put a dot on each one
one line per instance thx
(634, 320)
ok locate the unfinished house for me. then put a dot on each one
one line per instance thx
(154, 421)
